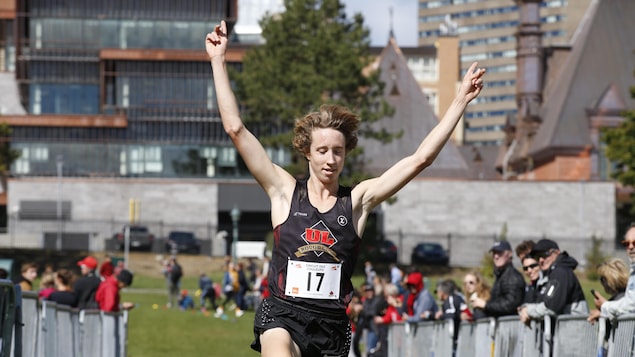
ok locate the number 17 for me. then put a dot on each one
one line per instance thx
(319, 275)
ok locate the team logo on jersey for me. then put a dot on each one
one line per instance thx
(342, 220)
(319, 240)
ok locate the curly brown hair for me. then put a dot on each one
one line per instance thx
(329, 116)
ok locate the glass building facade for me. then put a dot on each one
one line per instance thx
(142, 60)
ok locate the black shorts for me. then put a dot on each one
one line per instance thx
(317, 333)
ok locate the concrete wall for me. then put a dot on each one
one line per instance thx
(464, 216)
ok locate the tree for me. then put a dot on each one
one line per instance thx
(313, 55)
(620, 142)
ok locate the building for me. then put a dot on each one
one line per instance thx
(487, 34)
(146, 129)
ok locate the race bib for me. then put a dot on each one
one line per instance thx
(313, 280)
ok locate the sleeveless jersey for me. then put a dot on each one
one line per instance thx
(310, 236)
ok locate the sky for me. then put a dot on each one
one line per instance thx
(377, 18)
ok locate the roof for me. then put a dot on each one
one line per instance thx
(413, 116)
(598, 71)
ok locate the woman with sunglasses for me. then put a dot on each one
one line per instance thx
(475, 286)
(531, 268)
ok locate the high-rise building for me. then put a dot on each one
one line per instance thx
(487, 34)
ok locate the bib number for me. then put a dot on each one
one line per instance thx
(313, 280)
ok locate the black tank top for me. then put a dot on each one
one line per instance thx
(310, 236)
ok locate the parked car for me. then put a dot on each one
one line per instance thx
(140, 238)
(429, 254)
(182, 242)
(383, 251)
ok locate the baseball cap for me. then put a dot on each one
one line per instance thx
(90, 262)
(500, 246)
(544, 245)
(125, 277)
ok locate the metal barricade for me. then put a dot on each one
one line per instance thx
(7, 309)
(90, 332)
(507, 340)
(532, 339)
(47, 341)
(399, 341)
(114, 326)
(484, 336)
(65, 336)
(443, 338)
(31, 324)
(621, 340)
(575, 336)
(423, 338)
(466, 339)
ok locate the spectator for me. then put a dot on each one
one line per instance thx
(207, 291)
(85, 287)
(562, 293)
(243, 288)
(173, 274)
(47, 286)
(531, 268)
(106, 269)
(230, 288)
(475, 286)
(420, 305)
(614, 276)
(28, 273)
(257, 288)
(369, 271)
(371, 304)
(524, 248)
(63, 294)
(185, 301)
(508, 290)
(108, 296)
(353, 311)
(613, 309)
(396, 276)
(251, 270)
(452, 306)
(391, 312)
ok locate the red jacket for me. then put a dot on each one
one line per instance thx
(107, 295)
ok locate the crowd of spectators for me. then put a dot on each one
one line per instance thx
(549, 287)
(88, 290)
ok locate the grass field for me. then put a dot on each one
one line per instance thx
(171, 332)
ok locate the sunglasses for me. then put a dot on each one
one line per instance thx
(628, 243)
(530, 266)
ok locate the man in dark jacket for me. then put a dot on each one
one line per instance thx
(561, 293)
(509, 288)
(85, 287)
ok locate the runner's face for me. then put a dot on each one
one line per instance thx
(327, 154)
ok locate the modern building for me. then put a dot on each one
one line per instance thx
(487, 34)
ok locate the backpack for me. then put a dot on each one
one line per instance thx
(176, 273)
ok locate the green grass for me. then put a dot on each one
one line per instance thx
(171, 332)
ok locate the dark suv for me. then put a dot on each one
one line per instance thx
(429, 254)
(182, 242)
(140, 238)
